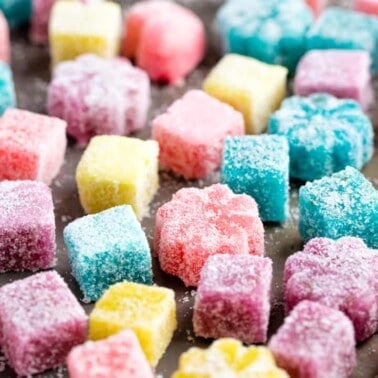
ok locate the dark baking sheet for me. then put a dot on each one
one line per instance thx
(31, 70)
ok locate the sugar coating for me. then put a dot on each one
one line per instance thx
(166, 39)
(192, 131)
(315, 341)
(7, 92)
(76, 28)
(17, 12)
(117, 170)
(99, 96)
(149, 311)
(339, 274)
(32, 146)
(317, 6)
(366, 6)
(41, 321)
(254, 88)
(233, 298)
(4, 39)
(118, 356)
(344, 204)
(228, 357)
(339, 28)
(259, 166)
(198, 223)
(107, 248)
(342, 73)
(325, 135)
(264, 29)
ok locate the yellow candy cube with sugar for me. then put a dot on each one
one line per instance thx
(76, 28)
(228, 358)
(116, 170)
(149, 311)
(254, 88)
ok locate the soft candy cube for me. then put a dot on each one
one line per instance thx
(254, 88)
(233, 298)
(325, 135)
(106, 248)
(17, 12)
(325, 272)
(166, 39)
(76, 28)
(317, 6)
(192, 131)
(27, 226)
(228, 358)
(344, 204)
(259, 166)
(199, 223)
(4, 39)
(117, 170)
(315, 341)
(366, 6)
(264, 29)
(41, 321)
(149, 311)
(114, 97)
(118, 356)
(32, 146)
(7, 92)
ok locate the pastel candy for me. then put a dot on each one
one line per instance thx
(259, 166)
(118, 356)
(192, 131)
(41, 321)
(76, 28)
(166, 39)
(199, 223)
(7, 92)
(107, 248)
(325, 272)
(4, 39)
(117, 170)
(228, 358)
(325, 135)
(264, 29)
(317, 6)
(32, 146)
(342, 73)
(17, 12)
(254, 88)
(233, 298)
(114, 97)
(344, 204)
(149, 311)
(315, 341)
(27, 226)
(366, 6)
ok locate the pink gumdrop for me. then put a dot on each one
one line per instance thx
(366, 6)
(317, 6)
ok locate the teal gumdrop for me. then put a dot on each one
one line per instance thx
(7, 92)
(17, 12)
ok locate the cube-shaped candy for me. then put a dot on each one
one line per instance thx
(199, 223)
(339, 28)
(7, 92)
(326, 272)
(264, 29)
(342, 73)
(166, 39)
(118, 356)
(117, 170)
(325, 135)
(228, 358)
(254, 88)
(4, 39)
(233, 298)
(32, 146)
(107, 248)
(315, 341)
(41, 320)
(366, 6)
(17, 12)
(76, 28)
(344, 204)
(259, 166)
(149, 311)
(192, 131)
(317, 6)
(27, 226)
(114, 97)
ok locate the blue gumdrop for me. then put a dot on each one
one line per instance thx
(17, 12)
(7, 93)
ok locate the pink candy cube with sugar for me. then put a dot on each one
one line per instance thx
(191, 133)
(366, 6)
(4, 39)
(317, 6)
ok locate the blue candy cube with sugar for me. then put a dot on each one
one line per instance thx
(17, 12)
(106, 248)
(344, 204)
(7, 92)
(259, 166)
